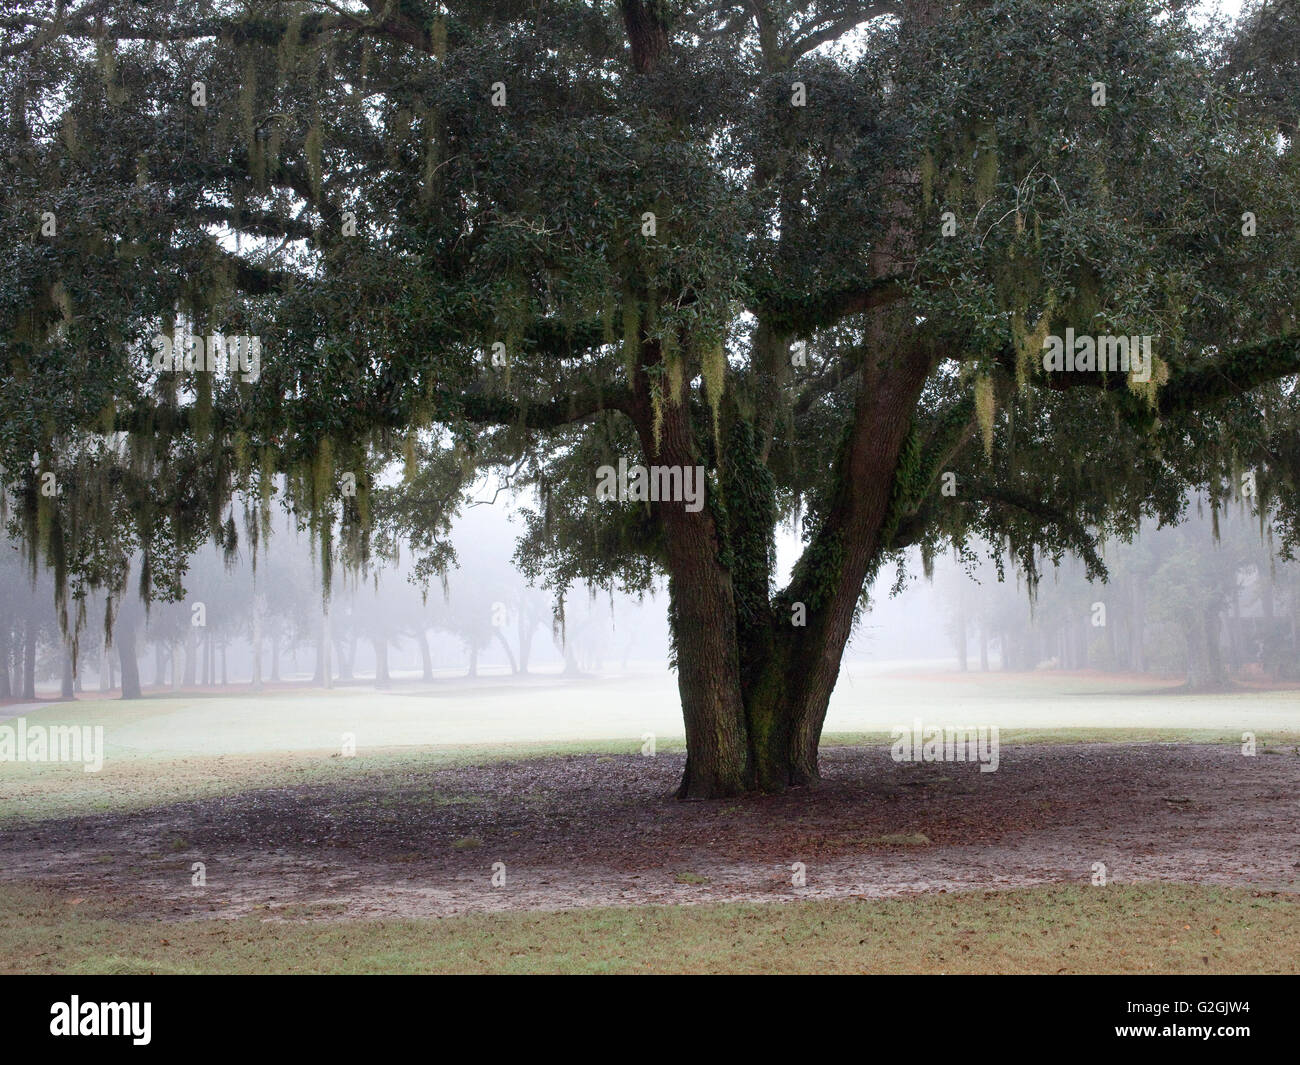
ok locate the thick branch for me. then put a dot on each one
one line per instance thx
(1230, 373)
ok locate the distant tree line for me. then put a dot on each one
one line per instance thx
(1209, 599)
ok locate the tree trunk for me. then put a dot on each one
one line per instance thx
(878, 475)
(1294, 611)
(962, 663)
(382, 679)
(426, 660)
(323, 663)
(702, 607)
(66, 688)
(1138, 658)
(1211, 622)
(29, 657)
(708, 679)
(347, 653)
(5, 689)
(526, 629)
(647, 33)
(126, 654)
(256, 682)
(756, 675)
(510, 654)
(1236, 656)
(318, 673)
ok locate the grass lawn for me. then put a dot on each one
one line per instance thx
(168, 750)
(1143, 928)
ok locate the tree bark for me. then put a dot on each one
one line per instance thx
(29, 656)
(525, 629)
(1211, 623)
(127, 656)
(66, 690)
(877, 462)
(1136, 628)
(510, 654)
(426, 660)
(382, 679)
(963, 663)
(5, 689)
(347, 652)
(702, 608)
(256, 682)
(323, 663)
(647, 32)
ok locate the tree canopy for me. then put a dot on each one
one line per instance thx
(815, 247)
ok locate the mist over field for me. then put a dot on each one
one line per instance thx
(1190, 631)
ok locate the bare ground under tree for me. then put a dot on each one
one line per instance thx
(594, 830)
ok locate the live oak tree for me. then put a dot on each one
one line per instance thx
(813, 246)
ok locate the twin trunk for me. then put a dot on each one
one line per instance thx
(756, 676)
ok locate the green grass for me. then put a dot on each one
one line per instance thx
(687, 877)
(1144, 928)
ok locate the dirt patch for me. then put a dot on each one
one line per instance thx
(601, 830)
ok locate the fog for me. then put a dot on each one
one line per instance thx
(486, 657)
